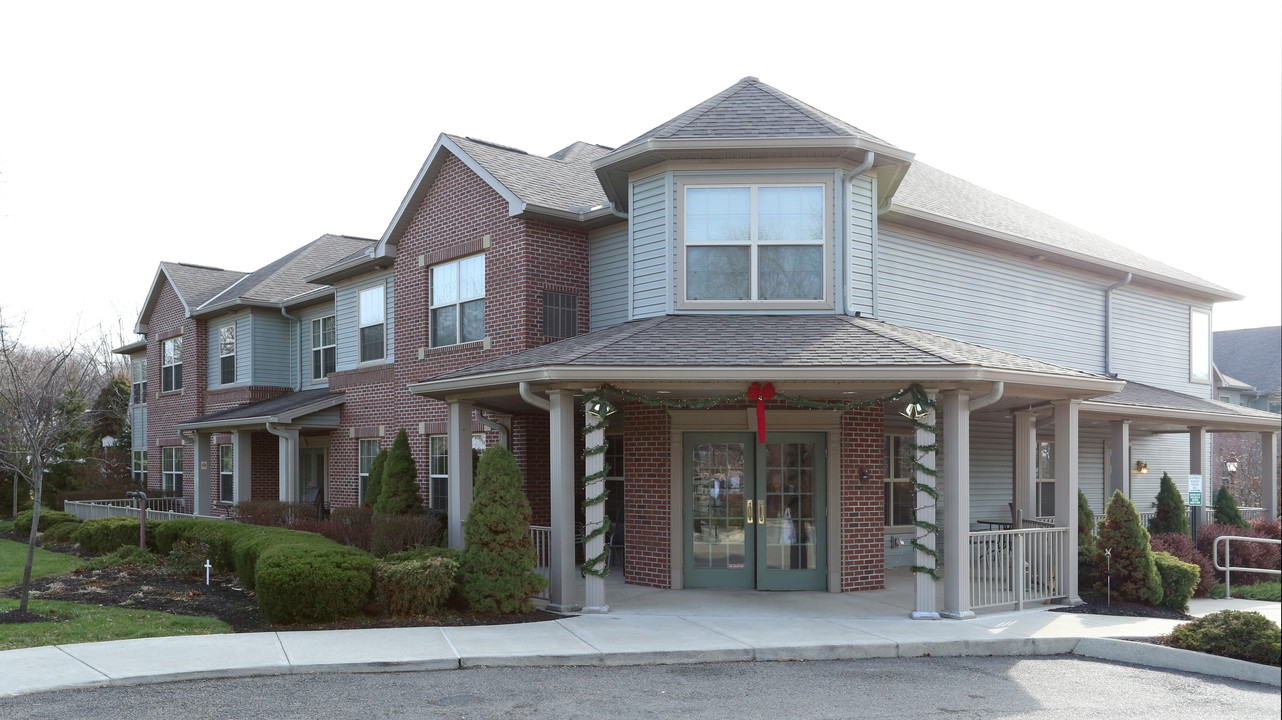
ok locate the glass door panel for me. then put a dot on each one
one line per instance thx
(718, 490)
(791, 542)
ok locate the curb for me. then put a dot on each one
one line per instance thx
(1159, 656)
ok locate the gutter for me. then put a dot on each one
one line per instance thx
(999, 388)
(498, 427)
(527, 395)
(1108, 323)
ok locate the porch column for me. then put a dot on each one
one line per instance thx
(925, 605)
(288, 462)
(1198, 466)
(955, 497)
(1023, 495)
(1269, 474)
(594, 515)
(1066, 451)
(201, 492)
(241, 442)
(1119, 467)
(460, 468)
(561, 592)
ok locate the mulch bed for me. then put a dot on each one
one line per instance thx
(1100, 606)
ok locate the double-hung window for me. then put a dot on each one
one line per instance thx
(172, 470)
(373, 323)
(138, 377)
(439, 467)
(171, 364)
(900, 497)
(324, 353)
(765, 244)
(458, 301)
(1045, 479)
(227, 473)
(227, 354)
(366, 451)
(140, 468)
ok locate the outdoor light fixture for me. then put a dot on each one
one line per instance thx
(913, 411)
(600, 408)
(1141, 467)
(863, 474)
(1230, 466)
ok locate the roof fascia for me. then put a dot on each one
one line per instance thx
(1199, 418)
(232, 306)
(132, 348)
(351, 268)
(287, 417)
(423, 181)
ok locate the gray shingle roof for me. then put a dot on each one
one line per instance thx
(198, 283)
(283, 278)
(934, 191)
(1252, 355)
(763, 340)
(567, 184)
(1141, 395)
(752, 109)
(264, 408)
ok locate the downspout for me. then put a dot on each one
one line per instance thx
(295, 351)
(993, 396)
(497, 427)
(1108, 324)
(869, 156)
(537, 401)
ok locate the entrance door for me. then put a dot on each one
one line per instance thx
(755, 514)
(311, 476)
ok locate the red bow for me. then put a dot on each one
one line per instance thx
(761, 392)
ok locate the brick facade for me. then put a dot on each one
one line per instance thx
(166, 409)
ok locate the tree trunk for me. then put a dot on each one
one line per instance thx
(37, 479)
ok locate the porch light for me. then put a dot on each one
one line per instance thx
(600, 408)
(913, 411)
(1230, 466)
(1141, 467)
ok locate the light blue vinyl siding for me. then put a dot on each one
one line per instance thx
(1164, 453)
(608, 279)
(860, 220)
(305, 344)
(651, 246)
(272, 335)
(244, 348)
(1050, 313)
(1151, 340)
(346, 299)
(992, 469)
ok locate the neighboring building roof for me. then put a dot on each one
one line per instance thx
(285, 408)
(1253, 356)
(1230, 383)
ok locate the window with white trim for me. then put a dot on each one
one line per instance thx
(140, 468)
(1199, 346)
(759, 243)
(366, 450)
(138, 379)
(1045, 479)
(227, 354)
(900, 498)
(458, 301)
(172, 471)
(439, 467)
(171, 364)
(324, 350)
(373, 323)
(227, 473)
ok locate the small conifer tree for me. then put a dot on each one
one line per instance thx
(1086, 570)
(1135, 576)
(399, 492)
(1170, 517)
(498, 554)
(375, 486)
(1225, 509)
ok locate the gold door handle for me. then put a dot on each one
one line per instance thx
(749, 512)
(761, 513)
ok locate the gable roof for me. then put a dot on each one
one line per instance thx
(193, 284)
(286, 277)
(1252, 355)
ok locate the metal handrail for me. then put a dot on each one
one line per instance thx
(1228, 559)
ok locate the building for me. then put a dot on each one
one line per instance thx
(765, 295)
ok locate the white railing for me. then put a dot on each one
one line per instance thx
(1148, 515)
(1012, 567)
(542, 537)
(1251, 513)
(157, 509)
(1228, 567)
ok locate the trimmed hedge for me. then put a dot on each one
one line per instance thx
(1179, 579)
(63, 531)
(103, 535)
(414, 587)
(48, 518)
(1236, 634)
(1182, 547)
(308, 582)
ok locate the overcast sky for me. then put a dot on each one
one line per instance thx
(230, 133)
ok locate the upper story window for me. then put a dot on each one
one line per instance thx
(373, 319)
(458, 301)
(1199, 346)
(324, 353)
(138, 378)
(227, 354)
(759, 243)
(171, 364)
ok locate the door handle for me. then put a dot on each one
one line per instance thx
(749, 512)
(761, 513)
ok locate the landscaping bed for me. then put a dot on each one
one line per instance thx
(1099, 606)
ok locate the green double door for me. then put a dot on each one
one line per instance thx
(755, 513)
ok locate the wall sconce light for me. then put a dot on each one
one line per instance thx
(863, 474)
(913, 411)
(1141, 467)
(600, 408)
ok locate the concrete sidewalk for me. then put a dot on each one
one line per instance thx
(617, 639)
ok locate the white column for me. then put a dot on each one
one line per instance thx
(242, 441)
(201, 493)
(1025, 494)
(1198, 465)
(594, 516)
(460, 468)
(924, 607)
(955, 482)
(561, 592)
(1066, 484)
(288, 462)
(1269, 473)
(1119, 467)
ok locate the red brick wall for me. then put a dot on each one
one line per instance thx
(264, 472)
(863, 538)
(165, 410)
(647, 495)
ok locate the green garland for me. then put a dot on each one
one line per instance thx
(598, 567)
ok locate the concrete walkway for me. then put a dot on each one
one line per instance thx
(658, 627)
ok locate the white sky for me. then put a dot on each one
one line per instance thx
(230, 133)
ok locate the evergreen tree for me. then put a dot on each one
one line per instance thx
(399, 492)
(1086, 570)
(498, 556)
(1170, 517)
(1135, 575)
(1226, 511)
(375, 487)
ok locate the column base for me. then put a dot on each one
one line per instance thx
(595, 609)
(920, 615)
(561, 609)
(1073, 601)
(955, 615)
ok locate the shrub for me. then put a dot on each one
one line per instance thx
(394, 533)
(48, 518)
(63, 531)
(1134, 575)
(1170, 517)
(274, 513)
(128, 555)
(1254, 555)
(187, 558)
(220, 535)
(351, 526)
(399, 494)
(1225, 510)
(311, 582)
(498, 555)
(1182, 547)
(1086, 565)
(103, 535)
(418, 586)
(1266, 528)
(1178, 580)
(1232, 633)
(375, 486)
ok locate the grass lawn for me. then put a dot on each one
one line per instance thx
(92, 623)
(13, 558)
(1260, 591)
